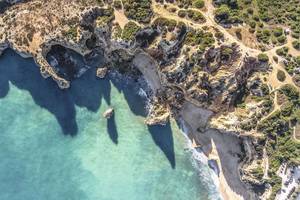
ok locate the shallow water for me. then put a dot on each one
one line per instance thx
(56, 145)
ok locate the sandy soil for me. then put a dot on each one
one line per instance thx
(120, 18)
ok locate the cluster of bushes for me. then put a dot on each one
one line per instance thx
(227, 15)
(258, 172)
(291, 63)
(192, 14)
(259, 13)
(162, 22)
(280, 12)
(139, 10)
(276, 36)
(200, 38)
(280, 145)
(262, 57)
(282, 51)
(129, 31)
(191, 3)
(290, 92)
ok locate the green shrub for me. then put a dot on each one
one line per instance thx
(282, 51)
(281, 75)
(130, 30)
(139, 10)
(281, 39)
(182, 13)
(162, 22)
(263, 57)
(290, 91)
(198, 4)
(296, 44)
(278, 32)
(199, 37)
(252, 24)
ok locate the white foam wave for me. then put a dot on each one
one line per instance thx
(200, 163)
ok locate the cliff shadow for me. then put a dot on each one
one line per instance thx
(112, 129)
(163, 138)
(86, 91)
(136, 103)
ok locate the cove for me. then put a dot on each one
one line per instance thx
(55, 144)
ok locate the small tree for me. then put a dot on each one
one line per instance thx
(281, 75)
(263, 57)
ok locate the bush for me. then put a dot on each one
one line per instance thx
(226, 53)
(139, 10)
(130, 30)
(290, 91)
(281, 39)
(162, 22)
(282, 51)
(281, 75)
(199, 37)
(263, 57)
(278, 32)
(196, 16)
(198, 4)
(252, 24)
(296, 44)
(117, 4)
(182, 13)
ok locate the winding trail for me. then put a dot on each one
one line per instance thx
(229, 38)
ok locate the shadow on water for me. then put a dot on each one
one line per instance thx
(87, 91)
(161, 135)
(112, 129)
(163, 138)
(24, 74)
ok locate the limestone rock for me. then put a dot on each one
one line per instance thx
(108, 113)
(101, 72)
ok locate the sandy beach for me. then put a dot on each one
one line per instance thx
(223, 148)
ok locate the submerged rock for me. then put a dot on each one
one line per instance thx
(108, 113)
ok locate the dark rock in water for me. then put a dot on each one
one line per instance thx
(95, 58)
(67, 63)
(214, 166)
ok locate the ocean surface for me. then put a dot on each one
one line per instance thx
(55, 144)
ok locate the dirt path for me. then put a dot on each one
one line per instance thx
(120, 18)
(229, 38)
(265, 163)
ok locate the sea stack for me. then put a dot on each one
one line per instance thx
(108, 113)
(101, 72)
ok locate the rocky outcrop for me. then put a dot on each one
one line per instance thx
(108, 113)
(101, 72)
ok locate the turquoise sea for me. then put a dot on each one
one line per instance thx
(55, 144)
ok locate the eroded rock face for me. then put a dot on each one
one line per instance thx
(67, 63)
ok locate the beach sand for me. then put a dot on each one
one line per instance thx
(223, 148)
